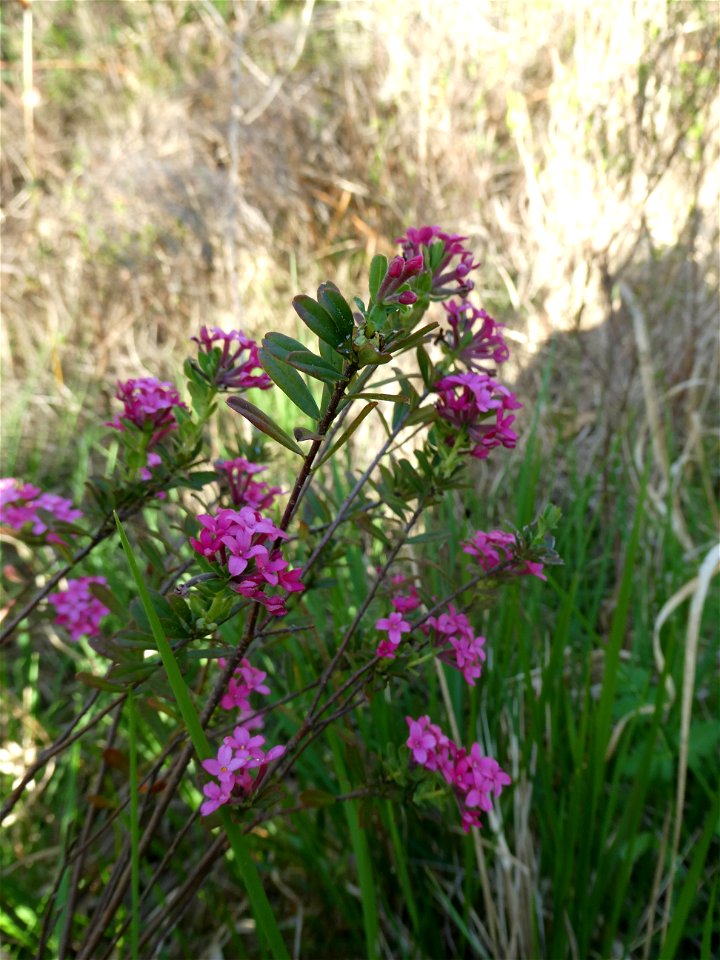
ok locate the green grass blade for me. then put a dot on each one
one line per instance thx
(134, 832)
(692, 883)
(262, 911)
(362, 854)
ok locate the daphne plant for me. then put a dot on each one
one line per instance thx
(234, 570)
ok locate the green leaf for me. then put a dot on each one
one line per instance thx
(314, 366)
(263, 422)
(337, 306)
(100, 683)
(378, 269)
(346, 434)
(413, 339)
(290, 382)
(281, 345)
(425, 365)
(317, 319)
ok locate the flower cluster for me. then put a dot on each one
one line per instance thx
(396, 627)
(239, 754)
(475, 345)
(474, 777)
(148, 404)
(497, 548)
(20, 503)
(78, 609)
(459, 645)
(466, 400)
(237, 359)
(245, 681)
(238, 541)
(444, 272)
(244, 491)
(399, 272)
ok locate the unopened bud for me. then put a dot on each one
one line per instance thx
(407, 297)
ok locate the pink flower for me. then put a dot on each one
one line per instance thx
(458, 644)
(474, 777)
(467, 399)
(238, 755)
(20, 503)
(424, 241)
(398, 273)
(420, 740)
(78, 609)
(395, 626)
(217, 795)
(475, 346)
(244, 491)
(148, 404)
(224, 766)
(234, 371)
(497, 548)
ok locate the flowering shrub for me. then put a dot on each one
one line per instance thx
(260, 565)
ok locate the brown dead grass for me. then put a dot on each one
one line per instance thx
(165, 167)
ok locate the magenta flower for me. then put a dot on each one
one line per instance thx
(217, 795)
(224, 766)
(395, 626)
(418, 241)
(245, 681)
(466, 400)
(78, 610)
(148, 404)
(19, 505)
(238, 755)
(420, 740)
(244, 491)
(474, 777)
(475, 346)
(457, 643)
(499, 549)
(238, 359)
(399, 272)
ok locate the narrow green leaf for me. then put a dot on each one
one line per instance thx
(314, 366)
(263, 422)
(100, 683)
(378, 269)
(281, 345)
(317, 319)
(290, 382)
(375, 395)
(425, 366)
(692, 881)
(346, 434)
(134, 831)
(337, 306)
(413, 339)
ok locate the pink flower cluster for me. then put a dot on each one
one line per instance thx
(148, 404)
(396, 627)
(244, 491)
(399, 272)
(20, 502)
(245, 681)
(444, 273)
(78, 609)
(460, 647)
(466, 400)
(476, 345)
(498, 548)
(474, 777)
(238, 755)
(238, 541)
(234, 371)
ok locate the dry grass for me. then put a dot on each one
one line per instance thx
(166, 165)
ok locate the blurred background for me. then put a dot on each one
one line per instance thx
(171, 164)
